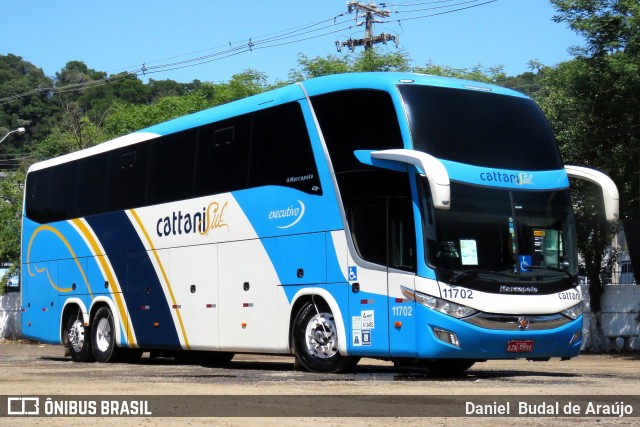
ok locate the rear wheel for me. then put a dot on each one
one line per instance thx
(103, 336)
(315, 339)
(78, 338)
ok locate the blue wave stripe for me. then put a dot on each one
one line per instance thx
(141, 287)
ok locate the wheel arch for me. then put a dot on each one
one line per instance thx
(307, 295)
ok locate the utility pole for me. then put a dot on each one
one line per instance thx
(370, 11)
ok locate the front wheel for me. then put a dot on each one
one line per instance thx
(315, 340)
(103, 336)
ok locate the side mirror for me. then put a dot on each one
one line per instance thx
(426, 164)
(609, 189)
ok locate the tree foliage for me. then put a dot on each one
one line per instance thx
(33, 111)
(478, 73)
(593, 103)
(10, 216)
(608, 26)
(366, 61)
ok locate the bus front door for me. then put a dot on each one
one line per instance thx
(381, 318)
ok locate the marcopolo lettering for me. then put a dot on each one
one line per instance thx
(293, 179)
(504, 289)
(202, 222)
(521, 178)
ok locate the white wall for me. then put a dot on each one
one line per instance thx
(10, 312)
(620, 315)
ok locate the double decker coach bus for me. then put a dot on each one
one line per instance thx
(386, 215)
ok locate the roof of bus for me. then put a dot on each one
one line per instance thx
(376, 80)
(387, 81)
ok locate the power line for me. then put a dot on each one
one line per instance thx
(278, 38)
(270, 41)
(435, 7)
(448, 11)
(411, 4)
(238, 42)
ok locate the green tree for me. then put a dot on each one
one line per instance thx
(593, 103)
(310, 68)
(159, 89)
(24, 101)
(125, 117)
(608, 26)
(77, 73)
(74, 132)
(368, 60)
(478, 73)
(373, 60)
(10, 215)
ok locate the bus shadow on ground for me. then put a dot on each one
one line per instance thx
(363, 372)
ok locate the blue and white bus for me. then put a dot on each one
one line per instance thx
(396, 216)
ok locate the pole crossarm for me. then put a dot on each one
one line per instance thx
(369, 8)
(370, 12)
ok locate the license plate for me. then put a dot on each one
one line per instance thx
(520, 346)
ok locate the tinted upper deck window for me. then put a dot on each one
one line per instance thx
(171, 167)
(281, 151)
(356, 120)
(480, 128)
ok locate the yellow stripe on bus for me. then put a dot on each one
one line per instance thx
(69, 248)
(117, 296)
(164, 275)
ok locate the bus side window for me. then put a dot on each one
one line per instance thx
(281, 151)
(90, 185)
(222, 159)
(38, 190)
(127, 169)
(171, 167)
(63, 179)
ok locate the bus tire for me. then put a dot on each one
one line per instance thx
(103, 336)
(315, 340)
(446, 367)
(78, 338)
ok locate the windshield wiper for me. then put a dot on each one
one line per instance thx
(549, 268)
(457, 278)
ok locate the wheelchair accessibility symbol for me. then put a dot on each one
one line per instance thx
(353, 274)
(525, 262)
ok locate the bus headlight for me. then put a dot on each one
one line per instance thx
(573, 312)
(447, 307)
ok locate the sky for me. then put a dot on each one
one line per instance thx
(268, 36)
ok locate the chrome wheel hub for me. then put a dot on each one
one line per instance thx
(103, 335)
(76, 336)
(321, 338)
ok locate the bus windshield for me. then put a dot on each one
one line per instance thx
(501, 235)
(480, 128)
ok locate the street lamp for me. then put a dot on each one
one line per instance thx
(20, 131)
